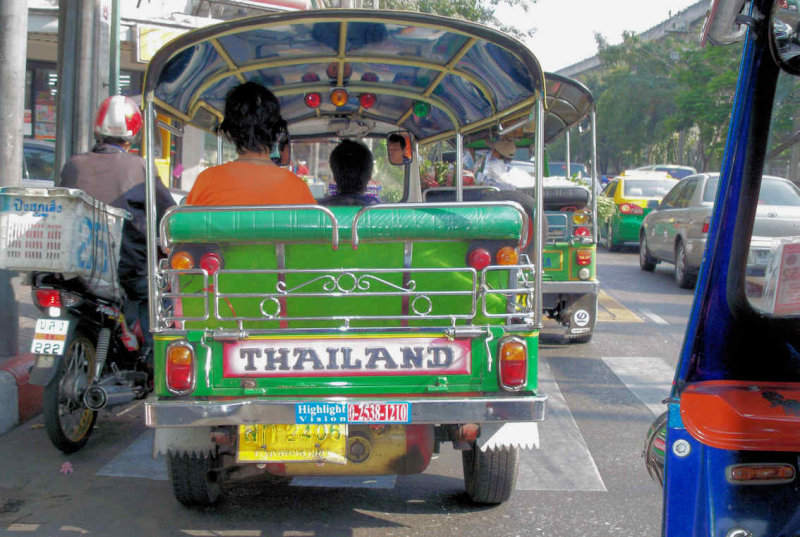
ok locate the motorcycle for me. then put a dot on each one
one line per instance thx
(87, 357)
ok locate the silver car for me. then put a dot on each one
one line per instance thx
(676, 230)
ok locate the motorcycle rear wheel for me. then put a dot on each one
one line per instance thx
(68, 423)
(194, 479)
(490, 476)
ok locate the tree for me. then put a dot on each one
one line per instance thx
(480, 11)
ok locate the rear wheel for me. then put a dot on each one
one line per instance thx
(194, 479)
(67, 421)
(610, 244)
(490, 476)
(683, 278)
(646, 262)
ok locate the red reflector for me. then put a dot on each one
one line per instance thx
(582, 231)
(583, 257)
(706, 224)
(313, 100)
(480, 258)
(513, 363)
(48, 298)
(367, 100)
(762, 472)
(211, 262)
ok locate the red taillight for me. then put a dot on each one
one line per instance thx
(313, 100)
(581, 231)
(180, 368)
(583, 257)
(706, 224)
(211, 262)
(479, 258)
(513, 360)
(630, 208)
(48, 298)
(367, 100)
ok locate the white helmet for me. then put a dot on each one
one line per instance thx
(118, 117)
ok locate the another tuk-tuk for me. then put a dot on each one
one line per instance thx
(730, 442)
(307, 340)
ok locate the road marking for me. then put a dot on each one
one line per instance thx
(23, 527)
(223, 533)
(649, 378)
(654, 317)
(563, 462)
(608, 309)
(137, 461)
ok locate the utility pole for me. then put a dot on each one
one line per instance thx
(13, 50)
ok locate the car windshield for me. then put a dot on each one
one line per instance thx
(677, 173)
(777, 192)
(773, 192)
(646, 188)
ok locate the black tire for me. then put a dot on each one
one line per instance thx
(194, 479)
(610, 245)
(580, 338)
(683, 277)
(68, 423)
(490, 476)
(646, 262)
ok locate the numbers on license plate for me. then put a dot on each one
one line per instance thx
(47, 347)
(378, 413)
(269, 434)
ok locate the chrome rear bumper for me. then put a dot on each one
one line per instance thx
(164, 412)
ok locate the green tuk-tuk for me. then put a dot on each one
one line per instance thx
(312, 340)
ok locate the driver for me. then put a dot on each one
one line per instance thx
(116, 177)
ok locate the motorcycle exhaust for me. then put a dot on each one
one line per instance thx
(99, 397)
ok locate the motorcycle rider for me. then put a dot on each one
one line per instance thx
(116, 177)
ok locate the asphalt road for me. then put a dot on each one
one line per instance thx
(587, 479)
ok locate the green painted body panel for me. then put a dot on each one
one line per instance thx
(480, 379)
(558, 261)
(627, 226)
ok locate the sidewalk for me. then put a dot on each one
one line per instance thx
(19, 401)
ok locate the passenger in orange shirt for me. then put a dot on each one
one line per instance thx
(252, 122)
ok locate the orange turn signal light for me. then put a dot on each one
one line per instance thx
(742, 473)
(339, 97)
(181, 260)
(507, 256)
(513, 363)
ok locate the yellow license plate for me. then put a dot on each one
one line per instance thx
(293, 443)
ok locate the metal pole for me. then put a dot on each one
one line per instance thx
(84, 88)
(539, 227)
(151, 176)
(13, 50)
(595, 186)
(458, 172)
(568, 170)
(113, 67)
(65, 99)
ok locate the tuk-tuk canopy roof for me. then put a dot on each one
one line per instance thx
(471, 76)
(568, 103)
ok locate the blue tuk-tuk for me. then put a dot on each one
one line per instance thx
(729, 445)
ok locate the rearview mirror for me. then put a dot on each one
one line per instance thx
(784, 41)
(398, 145)
(652, 204)
(282, 152)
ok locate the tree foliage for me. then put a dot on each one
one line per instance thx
(481, 11)
(662, 101)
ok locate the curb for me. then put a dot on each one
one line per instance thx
(19, 400)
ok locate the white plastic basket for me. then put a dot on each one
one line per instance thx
(61, 230)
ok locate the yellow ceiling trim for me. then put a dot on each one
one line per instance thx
(228, 60)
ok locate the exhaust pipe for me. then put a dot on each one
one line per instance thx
(99, 397)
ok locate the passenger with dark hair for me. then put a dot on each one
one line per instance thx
(396, 146)
(254, 124)
(351, 164)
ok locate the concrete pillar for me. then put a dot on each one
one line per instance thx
(13, 50)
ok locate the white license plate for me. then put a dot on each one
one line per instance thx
(49, 336)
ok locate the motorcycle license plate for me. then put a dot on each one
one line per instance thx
(293, 443)
(49, 336)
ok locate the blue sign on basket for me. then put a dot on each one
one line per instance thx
(320, 413)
